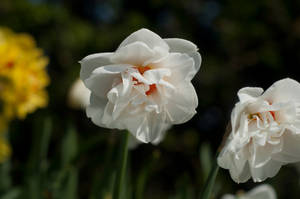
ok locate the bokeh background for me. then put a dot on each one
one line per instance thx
(59, 153)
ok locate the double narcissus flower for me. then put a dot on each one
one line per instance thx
(260, 192)
(23, 77)
(144, 87)
(265, 132)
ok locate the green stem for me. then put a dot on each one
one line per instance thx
(118, 187)
(209, 184)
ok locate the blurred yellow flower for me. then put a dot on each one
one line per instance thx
(23, 77)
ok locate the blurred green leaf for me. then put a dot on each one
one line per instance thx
(12, 194)
(37, 164)
(5, 177)
(69, 190)
(205, 159)
(41, 138)
(102, 186)
(121, 168)
(69, 147)
(210, 182)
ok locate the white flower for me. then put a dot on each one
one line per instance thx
(265, 132)
(79, 95)
(144, 87)
(259, 192)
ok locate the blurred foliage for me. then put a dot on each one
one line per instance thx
(59, 153)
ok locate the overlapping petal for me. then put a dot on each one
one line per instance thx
(91, 62)
(151, 39)
(265, 133)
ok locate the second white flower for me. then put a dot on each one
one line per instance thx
(265, 132)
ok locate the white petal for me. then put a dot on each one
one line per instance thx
(187, 47)
(290, 152)
(137, 54)
(197, 60)
(118, 101)
(101, 80)
(249, 93)
(269, 170)
(148, 127)
(91, 62)
(261, 155)
(182, 104)
(181, 45)
(235, 116)
(182, 66)
(243, 176)
(95, 110)
(282, 91)
(262, 192)
(158, 126)
(155, 76)
(146, 36)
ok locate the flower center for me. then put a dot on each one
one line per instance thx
(142, 70)
(254, 116)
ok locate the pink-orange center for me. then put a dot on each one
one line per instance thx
(142, 70)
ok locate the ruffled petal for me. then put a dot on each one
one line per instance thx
(146, 36)
(155, 76)
(269, 170)
(95, 110)
(261, 155)
(181, 65)
(181, 45)
(181, 104)
(290, 149)
(282, 91)
(147, 127)
(187, 47)
(102, 79)
(137, 54)
(91, 62)
(249, 93)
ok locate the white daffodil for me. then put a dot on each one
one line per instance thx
(259, 192)
(265, 132)
(79, 95)
(144, 86)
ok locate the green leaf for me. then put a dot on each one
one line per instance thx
(69, 146)
(120, 179)
(12, 194)
(5, 177)
(37, 165)
(69, 190)
(205, 159)
(102, 186)
(209, 185)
